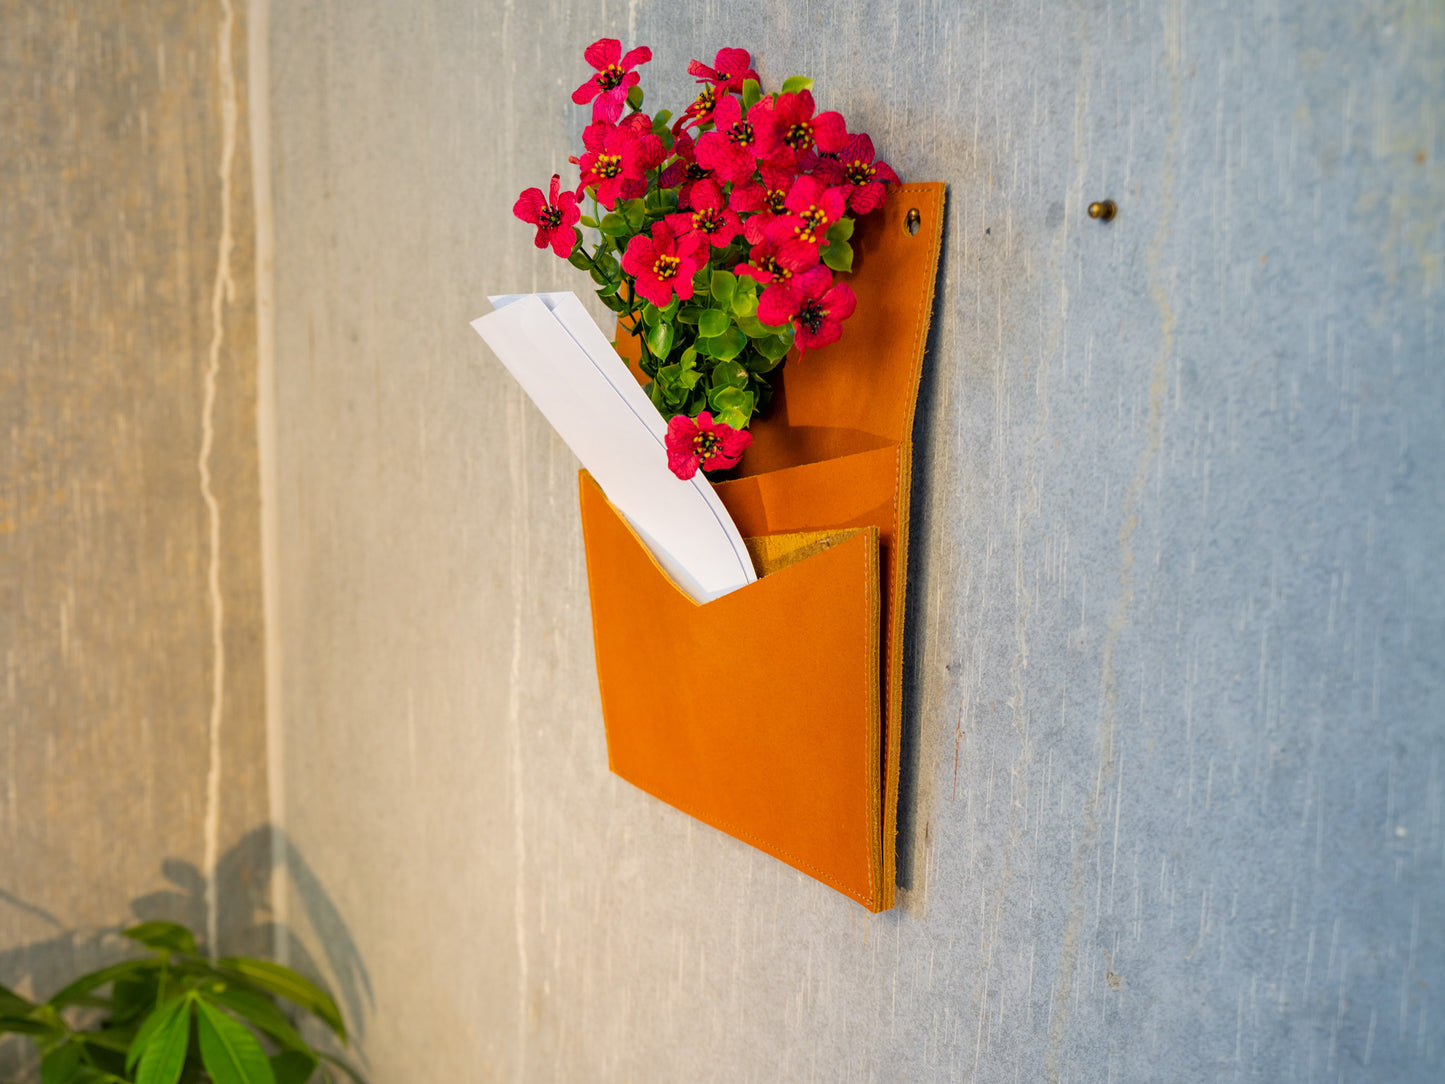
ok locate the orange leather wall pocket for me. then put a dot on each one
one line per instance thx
(773, 713)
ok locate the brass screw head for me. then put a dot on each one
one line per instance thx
(1103, 210)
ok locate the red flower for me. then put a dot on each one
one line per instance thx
(773, 262)
(554, 216)
(684, 170)
(790, 130)
(709, 216)
(725, 77)
(702, 442)
(855, 169)
(730, 149)
(729, 70)
(814, 207)
(813, 304)
(613, 79)
(618, 158)
(664, 264)
(769, 193)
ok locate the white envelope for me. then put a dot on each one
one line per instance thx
(569, 369)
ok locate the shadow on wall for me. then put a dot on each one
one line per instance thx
(916, 683)
(243, 880)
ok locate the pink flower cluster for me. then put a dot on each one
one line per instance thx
(768, 180)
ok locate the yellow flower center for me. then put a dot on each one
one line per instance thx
(799, 137)
(705, 445)
(666, 266)
(608, 165)
(610, 77)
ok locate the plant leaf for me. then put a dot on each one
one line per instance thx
(60, 1064)
(726, 346)
(841, 230)
(21, 1025)
(839, 256)
(230, 1052)
(161, 1048)
(165, 936)
(293, 1067)
(712, 322)
(580, 260)
(82, 986)
(752, 93)
(634, 96)
(724, 283)
(772, 347)
(259, 1010)
(659, 340)
(12, 1004)
(286, 983)
(794, 83)
(613, 225)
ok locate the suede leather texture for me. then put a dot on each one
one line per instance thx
(774, 713)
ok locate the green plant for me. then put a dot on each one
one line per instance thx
(176, 1017)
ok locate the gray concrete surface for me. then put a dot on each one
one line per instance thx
(1172, 804)
(133, 776)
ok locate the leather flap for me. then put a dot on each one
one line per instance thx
(758, 712)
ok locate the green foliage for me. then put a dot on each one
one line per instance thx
(175, 1017)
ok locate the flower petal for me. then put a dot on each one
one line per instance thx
(641, 55)
(603, 52)
(530, 205)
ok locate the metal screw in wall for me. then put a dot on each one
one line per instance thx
(1103, 210)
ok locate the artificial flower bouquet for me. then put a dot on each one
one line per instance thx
(718, 237)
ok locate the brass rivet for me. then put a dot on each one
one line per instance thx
(913, 221)
(1103, 210)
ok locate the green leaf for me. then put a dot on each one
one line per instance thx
(230, 1052)
(839, 256)
(588, 221)
(794, 83)
(634, 96)
(284, 982)
(20, 1025)
(115, 1039)
(160, 1045)
(259, 1009)
(724, 283)
(12, 1004)
(689, 358)
(701, 286)
(165, 936)
(752, 93)
(712, 322)
(729, 374)
(670, 312)
(659, 340)
(651, 315)
(731, 406)
(82, 986)
(841, 230)
(728, 345)
(293, 1067)
(61, 1064)
(580, 260)
(660, 119)
(132, 997)
(609, 288)
(771, 347)
(613, 225)
(745, 305)
(634, 210)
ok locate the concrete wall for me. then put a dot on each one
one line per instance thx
(1172, 802)
(132, 731)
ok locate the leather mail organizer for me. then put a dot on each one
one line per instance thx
(773, 713)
